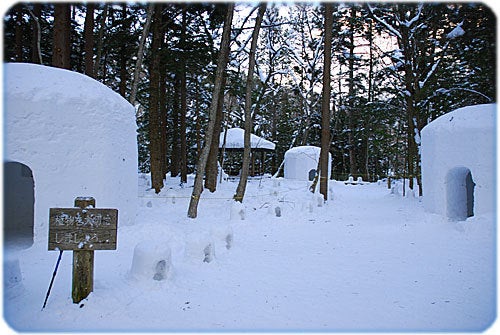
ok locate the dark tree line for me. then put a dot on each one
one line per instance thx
(394, 68)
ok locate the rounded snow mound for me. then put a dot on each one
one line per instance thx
(458, 149)
(76, 135)
(301, 161)
(470, 117)
(305, 150)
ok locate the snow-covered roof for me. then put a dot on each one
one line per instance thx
(234, 140)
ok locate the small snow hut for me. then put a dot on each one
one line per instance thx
(302, 162)
(233, 141)
(458, 162)
(66, 135)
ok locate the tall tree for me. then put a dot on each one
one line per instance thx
(88, 32)
(62, 36)
(350, 108)
(183, 98)
(154, 98)
(36, 36)
(140, 55)
(125, 27)
(240, 190)
(212, 165)
(19, 33)
(221, 68)
(100, 41)
(325, 102)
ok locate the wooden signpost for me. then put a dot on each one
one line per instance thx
(82, 229)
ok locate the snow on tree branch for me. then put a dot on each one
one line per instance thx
(389, 27)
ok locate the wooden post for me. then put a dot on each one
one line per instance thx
(83, 263)
(82, 229)
(83, 274)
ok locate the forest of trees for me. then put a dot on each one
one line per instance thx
(393, 68)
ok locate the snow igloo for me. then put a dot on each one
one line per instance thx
(65, 135)
(458, 162)
(302, 162)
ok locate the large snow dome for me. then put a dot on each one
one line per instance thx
(300, 161)
(75, 136)
(458, 162)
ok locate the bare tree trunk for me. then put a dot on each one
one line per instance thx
(62, 32)
(325, 104)
(122, 89)
(154, 112)
(212, 169)
(18, 32)
(183, 110)
(100, 38)
(221, 68)
(140, 55)
(36, 53)
(240, 190)
(351, 115)
(163, 117)
(88, 32)
(198, 121)
(175, 153)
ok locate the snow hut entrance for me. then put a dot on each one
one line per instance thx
(19, 203)
(459, 194)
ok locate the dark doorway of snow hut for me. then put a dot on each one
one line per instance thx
(459, 194)
(19, 201)
(312, 174)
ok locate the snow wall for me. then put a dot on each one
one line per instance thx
(76, 135)
(299, 161)
(455, 147)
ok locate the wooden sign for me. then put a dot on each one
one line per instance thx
(82, 228)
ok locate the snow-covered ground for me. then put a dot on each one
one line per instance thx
(368, 260)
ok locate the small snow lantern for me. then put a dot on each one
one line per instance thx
(302, 162)
(71, 135)
(458, 162)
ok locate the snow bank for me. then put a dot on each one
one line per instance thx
(235, 136)
(453, 145)
(76, 135)
(299, 161)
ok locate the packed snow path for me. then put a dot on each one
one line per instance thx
(368, 260)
